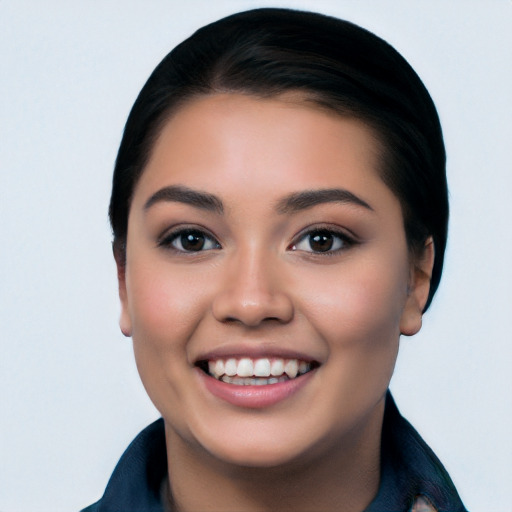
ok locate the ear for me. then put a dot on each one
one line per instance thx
(418, 289)
(125, 321)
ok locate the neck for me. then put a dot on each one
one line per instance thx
(344, 479)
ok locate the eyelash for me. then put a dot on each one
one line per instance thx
(339, 238)
(177, 235)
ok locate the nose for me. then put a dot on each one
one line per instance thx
(251, 293)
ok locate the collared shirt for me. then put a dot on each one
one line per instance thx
(412, 477)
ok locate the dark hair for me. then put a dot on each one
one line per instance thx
(332, 63)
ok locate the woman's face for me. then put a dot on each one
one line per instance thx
(262, 243)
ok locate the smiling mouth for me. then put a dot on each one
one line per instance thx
(246, 371)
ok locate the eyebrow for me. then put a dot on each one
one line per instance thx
(303, 200)
(292, 203)
(185, 195)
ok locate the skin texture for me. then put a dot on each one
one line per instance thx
(258, 283)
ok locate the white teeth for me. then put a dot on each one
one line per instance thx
(262, 368)
(303, 367)
(219, 368)
(245, 367)
(216, 368)
(247, 381)
(277, 367)
(291, 368)
(249, 372)
(230, 367)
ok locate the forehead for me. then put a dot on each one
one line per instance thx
(234, 143)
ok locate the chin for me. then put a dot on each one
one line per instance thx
(256, 456)
(259, 444)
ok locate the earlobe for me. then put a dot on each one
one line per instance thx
(418, 290)
(125, 322)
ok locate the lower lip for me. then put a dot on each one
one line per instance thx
(254, 397)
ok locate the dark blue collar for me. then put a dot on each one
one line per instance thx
(408, 468)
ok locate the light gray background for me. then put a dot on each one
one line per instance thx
(70, 396)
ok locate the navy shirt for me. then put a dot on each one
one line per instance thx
(409, 468)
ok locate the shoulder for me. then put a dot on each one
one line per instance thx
(137, 479)
(412, 477)
(94, 508)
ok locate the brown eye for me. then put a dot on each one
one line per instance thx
(323, 241)
(190, 240)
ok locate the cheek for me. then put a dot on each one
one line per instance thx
(164, 310)
(165, 304)
(358, 306)
(357, 314)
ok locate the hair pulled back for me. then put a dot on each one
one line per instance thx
(332, 63)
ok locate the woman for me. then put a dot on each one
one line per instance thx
(279, 210)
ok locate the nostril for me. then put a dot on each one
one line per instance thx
(254, 321)
(252, 304)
